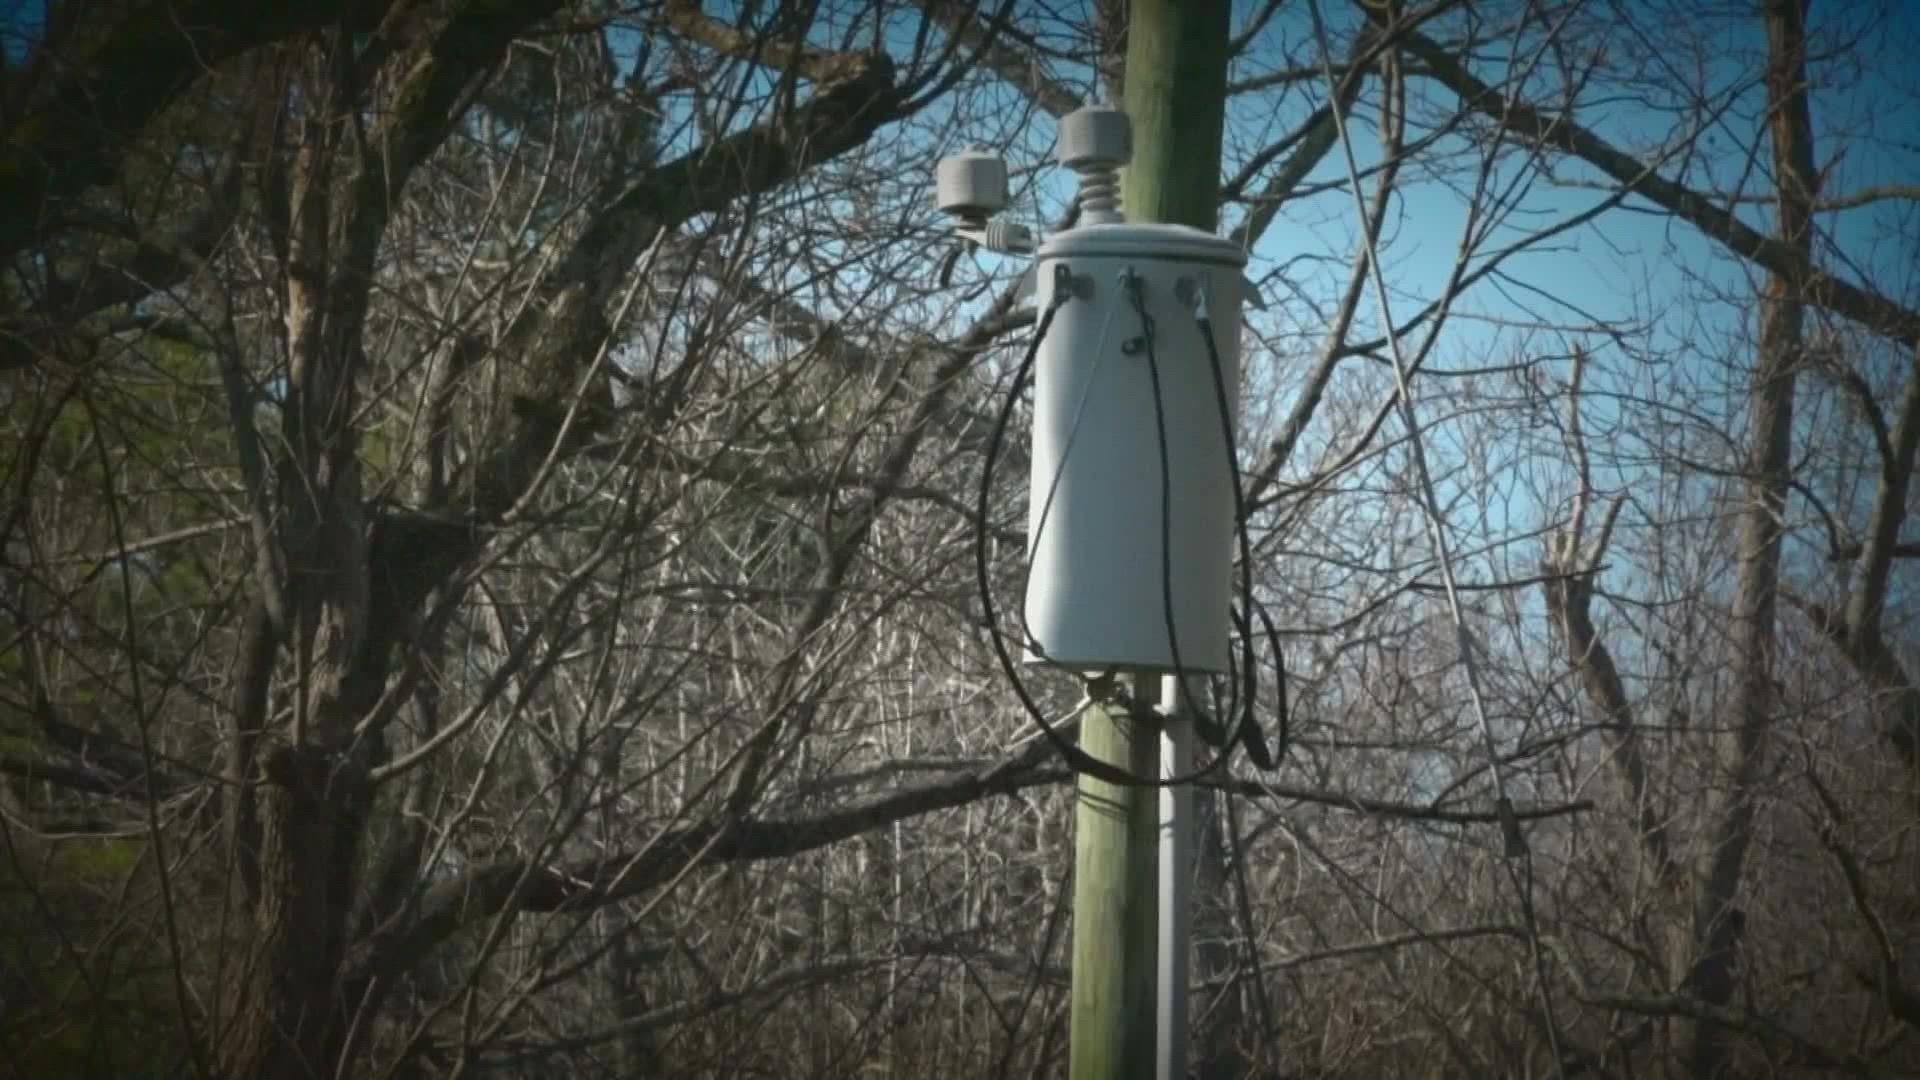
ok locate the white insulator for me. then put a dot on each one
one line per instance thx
(1093, 137)
(1100, 197)
(971, 185)
(1008, 237)
(1094, 142)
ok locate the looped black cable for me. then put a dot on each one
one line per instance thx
(1077, 759)
(1247, 726)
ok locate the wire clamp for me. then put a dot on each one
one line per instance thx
(1135, 285)
(1068, 285)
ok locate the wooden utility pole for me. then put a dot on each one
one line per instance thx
(1176, 97)
(1176, 82)
(1112, 1022)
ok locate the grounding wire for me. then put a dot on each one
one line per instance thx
(1039, 526)
(1516, 847)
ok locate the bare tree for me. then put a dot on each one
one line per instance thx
(488, 545)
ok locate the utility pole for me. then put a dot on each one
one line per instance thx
(1129, 864)
(1114, 884)
(1176, 77)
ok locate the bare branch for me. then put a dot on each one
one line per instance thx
(1889, 511)
(523, 887)
(1902, 1003)
(814, 65)
(1388, 808)
(1023, 71)
(1855, 302)
(135, 70)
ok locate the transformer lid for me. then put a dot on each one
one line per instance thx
(1128, 240)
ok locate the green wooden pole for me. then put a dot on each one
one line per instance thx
(1115, 882)
(1176, 77)
(1176, 82)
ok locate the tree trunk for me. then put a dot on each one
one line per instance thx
(283, 1020)
(310, 787)
(1719, 923)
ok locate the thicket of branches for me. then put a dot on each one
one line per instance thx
(486, 536)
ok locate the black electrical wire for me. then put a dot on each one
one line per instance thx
(1077, 759)
(1243, 696)
(1247, 725)
(1242, 702)
(1135, 290)
(1243, 690)
(1254, 742)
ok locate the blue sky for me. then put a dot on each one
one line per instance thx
(20, 22)
(1636, 264)
(1614, 265)
(1631, 264)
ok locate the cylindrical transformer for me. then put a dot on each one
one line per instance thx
(1100, 593)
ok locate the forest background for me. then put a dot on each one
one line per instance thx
(486, 540)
